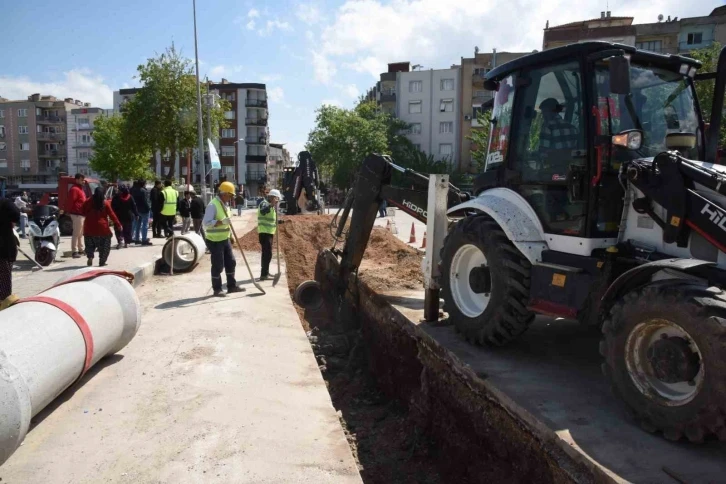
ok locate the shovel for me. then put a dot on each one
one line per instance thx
(239, 246)
(276, 279)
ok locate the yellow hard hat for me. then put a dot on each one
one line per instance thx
(226, 187)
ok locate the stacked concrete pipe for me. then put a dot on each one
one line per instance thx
(188, 250)
(50, 341)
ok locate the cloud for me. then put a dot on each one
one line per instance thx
(309, 35)
(272, 25)
(438, 34)
(351, 90)
(276, 94)
(221, 70)
(324, 69)
(271, 78)
(308, 13)
(253, 13)
(251, 25)
(331, 102)
(80, 84)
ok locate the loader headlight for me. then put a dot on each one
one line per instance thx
(631, 139)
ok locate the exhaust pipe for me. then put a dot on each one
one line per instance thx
(309, 295)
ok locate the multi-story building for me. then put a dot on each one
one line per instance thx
(33, 142)
(278, 159)
(606, 28)
(80, 124)
(474, 98)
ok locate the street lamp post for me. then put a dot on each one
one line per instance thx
(199, 105)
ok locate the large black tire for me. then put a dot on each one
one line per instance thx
(505, 316)
(700, 313)
(65, 225)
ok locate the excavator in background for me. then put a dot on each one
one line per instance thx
(601, 201)
(301, 187)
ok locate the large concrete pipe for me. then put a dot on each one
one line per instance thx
(49, 341)
(188, 251)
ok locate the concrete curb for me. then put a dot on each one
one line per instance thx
(144, 272)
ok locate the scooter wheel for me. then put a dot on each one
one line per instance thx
(44, 257)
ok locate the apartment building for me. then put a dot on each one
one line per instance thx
(474, 98)
(606, 28)
(33, 140)
(244, 143)
(80, 142)
(278, 159)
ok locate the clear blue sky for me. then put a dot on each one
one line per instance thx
(307, 52)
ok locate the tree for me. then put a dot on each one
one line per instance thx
(113, 158)
(704, 89)
(162, 114)
(480, 140)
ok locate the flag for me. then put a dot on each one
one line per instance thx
(213, 156)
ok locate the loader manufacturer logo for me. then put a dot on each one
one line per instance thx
(416, 209)
(714, 216)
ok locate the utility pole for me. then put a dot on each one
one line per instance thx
(199, 109)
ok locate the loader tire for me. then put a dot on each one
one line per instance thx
(476, 250)
(665, 356)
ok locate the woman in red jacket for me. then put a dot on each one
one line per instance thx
(96, 231)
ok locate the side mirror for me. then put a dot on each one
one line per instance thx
(631, 139)
(620, 75)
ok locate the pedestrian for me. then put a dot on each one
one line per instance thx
(185, 211)
(266, 228)
(96, 229)
(141, 224)
(240, 201)
(157, 202)
(218, 231)
(21, 202)
(9, 217)
(382, 208)
(168, 210)
(124, 206)
(196, 209)
(74, 207)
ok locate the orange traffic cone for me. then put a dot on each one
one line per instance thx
(423, 246)
(412, 238)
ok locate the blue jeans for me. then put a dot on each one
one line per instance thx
(141, 227)
(239, 210)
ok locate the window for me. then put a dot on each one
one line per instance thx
(3, 163)
(227, 150)
(228, 133)
(481, 93)
(2, 131)
(481, 71)
(84, 155)
(415, 86)
(229, 115)
(651, 45)
(414, 107)
(447, 84)
(446, 127)
(695, 38)
(84, 123)
(184, 170)
(446, 149)
(415, 128)
(86, 139)
(3, 146)
(22, 113)
(2, 113)
(229, 170)
(228, 96)
(24, 146)
(22, 129)
(447, 106)
(25, 165)
(51, 146)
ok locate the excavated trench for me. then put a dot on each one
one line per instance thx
(411, 411)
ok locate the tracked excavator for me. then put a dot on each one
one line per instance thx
(602, 200)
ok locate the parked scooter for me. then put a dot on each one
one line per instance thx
(44, 234)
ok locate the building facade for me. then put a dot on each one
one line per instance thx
(278, 159)
(606, 28)
(80, 124)
(33, 139)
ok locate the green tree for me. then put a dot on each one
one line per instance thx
(480, 140)
(704, 89)
(113, 158)
(162, 114)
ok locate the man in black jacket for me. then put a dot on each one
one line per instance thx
(141, 224)
(9, 216)
(183, 206)
(196, 209)
(157, 203)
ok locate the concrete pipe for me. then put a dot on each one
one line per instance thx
(49, 341)
(188, 251)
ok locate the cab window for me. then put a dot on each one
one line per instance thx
(501, 124)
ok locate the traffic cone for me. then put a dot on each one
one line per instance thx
(412, 238)
(423, 246)
(388, 225)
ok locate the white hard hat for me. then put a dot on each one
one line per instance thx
(275, 193)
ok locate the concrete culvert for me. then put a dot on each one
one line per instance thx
(309, 295)
(188, 251)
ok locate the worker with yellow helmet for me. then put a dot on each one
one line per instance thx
(218, 230)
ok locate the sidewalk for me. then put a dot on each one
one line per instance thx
(209, 391)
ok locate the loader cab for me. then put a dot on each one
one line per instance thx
(554, 118)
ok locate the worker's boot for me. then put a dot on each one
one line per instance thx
(8, 301)
(233, 289)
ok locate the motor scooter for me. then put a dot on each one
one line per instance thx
(44, 234)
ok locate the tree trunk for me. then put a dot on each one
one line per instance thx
(171, 173)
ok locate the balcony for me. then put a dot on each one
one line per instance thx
(85, 144)
(50, 119)
(84, 127)
(256, 103)
(52, 153)
(261, 140)
(388, 76)
(45, 136)
(256, 158)
(256, 121)
(259, 176)
(388, 96)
